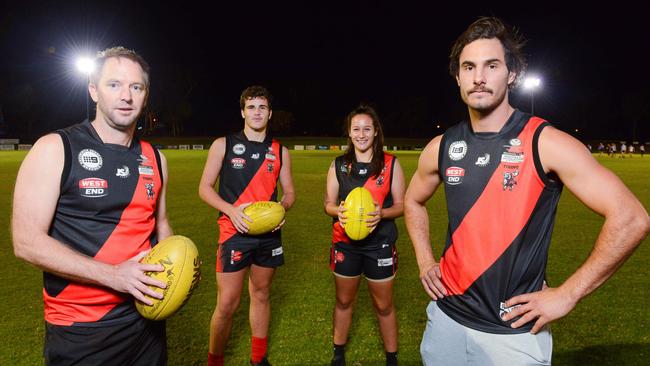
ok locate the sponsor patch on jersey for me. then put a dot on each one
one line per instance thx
(483, 160)
(515, 142)
(123, 172)
(90, 159)
(270, 167)
(93, 187)
(509, 180)
(255, 156)
(239, 149)
(238, 163)
(503, 310)
(235, 256)
(384, 262)
(512, 157)
(145, 170)
(142, 158)
(150, 192)
(270, 156)
(276, 251)
(454, 175)
(457, 150)
(344, 168)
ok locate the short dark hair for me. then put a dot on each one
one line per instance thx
(488, 28)
(349, 157)
(255, 91)
(118, 52)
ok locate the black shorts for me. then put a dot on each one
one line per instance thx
(241, 251)
(140, 342)
(376, 261)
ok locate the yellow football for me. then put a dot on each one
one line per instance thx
(266, 216)
(180, 258)
(358, 203)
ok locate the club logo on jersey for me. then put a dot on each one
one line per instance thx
(142, 158)
(339, 257)
(269, 167)
(515, 142)
(276, 251)
(483, 160)
(123, 172)
(345, 168)
(255, 156)
(509, 181)
(454, 175)
(93, 187)
(457, 150)
(380, 181)
(150, 191)
(239, 149)
(238, 163)
(90, 159)
(503, 310)
(363, 171)
(145, 170)
(235, 256)
(384, 262)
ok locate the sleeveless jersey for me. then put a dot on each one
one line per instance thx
(501, 209)
(249, 173)
(106, 210)
(351, 176)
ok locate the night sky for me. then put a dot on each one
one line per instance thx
(320, 60)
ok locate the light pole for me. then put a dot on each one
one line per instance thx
(531, 83)
(86, 65)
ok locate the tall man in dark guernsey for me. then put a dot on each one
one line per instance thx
(89, 203)
(248, 165)
(503, 172)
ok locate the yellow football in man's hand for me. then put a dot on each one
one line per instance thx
(358, 203)
(266, 216)
(180, 258)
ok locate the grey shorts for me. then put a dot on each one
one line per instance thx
(446, 342)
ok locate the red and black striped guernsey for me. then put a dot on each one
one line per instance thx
(249, 173)
(106, 210)
(501, 208)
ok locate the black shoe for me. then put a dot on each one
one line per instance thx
(338, 361)
(264, 362)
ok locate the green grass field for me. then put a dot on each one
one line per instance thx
(611, 327)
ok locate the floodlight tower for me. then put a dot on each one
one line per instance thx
(531, 83)
(86, 66)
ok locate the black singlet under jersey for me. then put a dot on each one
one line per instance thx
(106, 210)
(249, 173)
(501, 209)
(351, 176)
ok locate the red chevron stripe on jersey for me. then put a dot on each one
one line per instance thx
(379, 193)
(87, 303)
(260, 188)
(481, 239)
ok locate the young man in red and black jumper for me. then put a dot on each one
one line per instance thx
(248, 165)
(503, 172)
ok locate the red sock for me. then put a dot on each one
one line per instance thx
(258, 349)
(214, 360)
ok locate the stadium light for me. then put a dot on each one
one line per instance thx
(86, 66)
(531, 83)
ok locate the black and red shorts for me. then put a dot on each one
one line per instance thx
(240, 251)
(140, 342)
(377, 262)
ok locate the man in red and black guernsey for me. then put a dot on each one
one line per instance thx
(503, 172)
(89, 203)
(248, 165)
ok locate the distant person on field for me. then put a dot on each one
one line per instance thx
(365, 164)
(248, 165)
(89, 204)
(503, 172)
(601, 147)
(642, 149)
(612, 149)
(630, 150)
(623, 149)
